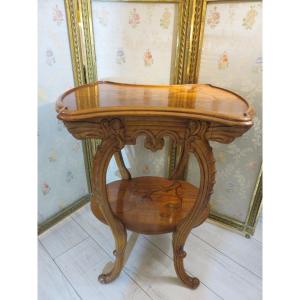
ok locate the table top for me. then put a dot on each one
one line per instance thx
(195, 101)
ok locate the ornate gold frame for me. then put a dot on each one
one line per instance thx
(198, 9)
(191, 15)
(83, 57)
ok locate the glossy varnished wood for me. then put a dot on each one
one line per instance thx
(192, 116)
(150, 205)
(197, 101)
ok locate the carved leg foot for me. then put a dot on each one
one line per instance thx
(119, 253)
(179, 255)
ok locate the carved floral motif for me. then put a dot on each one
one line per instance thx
(154, 136)
(224, 134)
(109, 129)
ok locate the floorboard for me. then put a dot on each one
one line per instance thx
(215, 270)
(62, 237)
(52, 284)
(147, 265)
(75, 251)
(245, 252)
(82, 265)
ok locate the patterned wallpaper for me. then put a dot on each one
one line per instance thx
(61, 173)
(232, 58)
(134, 43)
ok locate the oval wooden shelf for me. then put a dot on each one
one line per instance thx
(150, 205)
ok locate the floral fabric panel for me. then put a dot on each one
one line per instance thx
(134, 41)
(61, 172)
(232, 58)
(54, 61)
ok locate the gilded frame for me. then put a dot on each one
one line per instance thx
(191, 76)
(191, 14)
(80, 31)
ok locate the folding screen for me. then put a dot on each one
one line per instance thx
(229, 55)
(161, 42)
(61, 173)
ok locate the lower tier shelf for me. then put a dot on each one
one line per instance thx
(150, 205)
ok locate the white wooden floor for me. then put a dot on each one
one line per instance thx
(73, 253)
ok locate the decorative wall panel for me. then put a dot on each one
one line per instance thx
(231, 57)
(135, 43)
(61, 173)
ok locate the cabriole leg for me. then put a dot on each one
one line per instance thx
(104, 153)
(179, 254)
(120, 237)
(204, 155)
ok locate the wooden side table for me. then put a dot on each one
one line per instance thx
(191, 115)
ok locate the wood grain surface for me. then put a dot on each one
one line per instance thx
(197, 101)
(150, 205)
